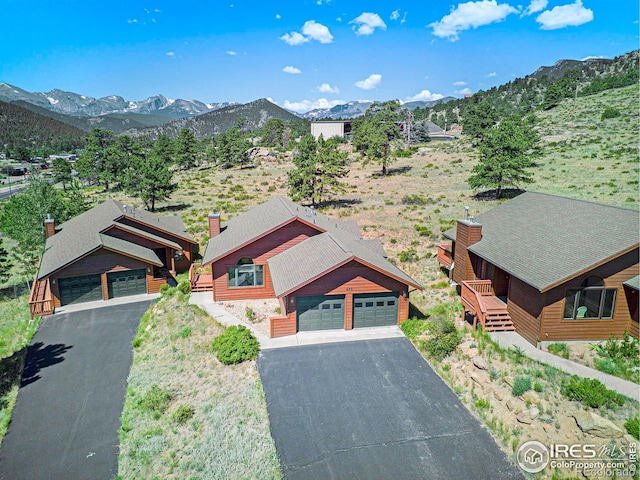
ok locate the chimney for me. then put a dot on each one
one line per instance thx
(214, 224)
(49, 226)
(468, 232)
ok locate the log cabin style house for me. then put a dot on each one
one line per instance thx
(323, 273)
(549, 267)
(107, 252)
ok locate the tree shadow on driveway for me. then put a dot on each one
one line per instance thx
(40, 356)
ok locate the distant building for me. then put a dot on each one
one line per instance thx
(330, 129)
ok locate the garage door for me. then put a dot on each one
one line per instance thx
(320, 313)
(86, 288)
(375, 309)
(123, 284)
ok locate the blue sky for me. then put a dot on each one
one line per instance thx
(301, 54)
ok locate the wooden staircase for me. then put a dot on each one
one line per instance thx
(491, 312)
(200, 278)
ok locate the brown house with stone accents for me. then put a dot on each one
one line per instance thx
(109, 251)
(324, 274)
(550, 267)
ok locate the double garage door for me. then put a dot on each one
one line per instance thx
(88, 288)
(326, 312)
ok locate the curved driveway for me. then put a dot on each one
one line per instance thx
(67, 417)
(372, 410)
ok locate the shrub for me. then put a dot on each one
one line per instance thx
(422, 230)
(156, 400)
(408, 255)
(413, 327)
(183, 413)
(521, 385)
(606, 365)
(184, 288)
(633, 427)
(444, 341)
(610, 112)
(591, 392)
(235, 345)
(250, 314)
(538, 387)
(560, 348)
(167, 290)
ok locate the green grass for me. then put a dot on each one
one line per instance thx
(187, 415)
(16, 331)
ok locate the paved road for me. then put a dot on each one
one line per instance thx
(7, 192)
(372, 410)
(67, 416)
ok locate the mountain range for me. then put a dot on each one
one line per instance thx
(357, 108)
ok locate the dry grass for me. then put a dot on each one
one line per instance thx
(228, 434)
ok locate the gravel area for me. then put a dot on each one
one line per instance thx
(262, 308)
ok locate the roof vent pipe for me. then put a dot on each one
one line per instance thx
(49, 217)
(466, 212)
(124, 208)
(472, 219)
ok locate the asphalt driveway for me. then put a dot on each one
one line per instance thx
(67, 415)
(372, 410)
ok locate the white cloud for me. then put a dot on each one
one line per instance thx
(133, 20)
(535, 6)
(367, 23)
(171, 54)
(570, 15)
(291, 70)
(317, 31)
(492, 74)
(311, 30)
(326, 88)
(464, 91)
(294, 38)
(307, 105)
(424, 96)
(459, 83)
(278, 16)
(231, 52)
(369, 83)
(395, 15)
(470, 15)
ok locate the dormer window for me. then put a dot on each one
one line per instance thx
(591, 301)
(245, 274)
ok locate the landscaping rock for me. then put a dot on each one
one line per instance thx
(497, 395)
(534, 412)
(530, 397)
(524, 417)
(508, 380)
(515, 405)
(479, 363)
(597, 426)
(476, 379)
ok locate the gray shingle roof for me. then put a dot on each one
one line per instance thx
(633, 283)
(129, 249)
(81, 235)
(264, 218)
(322, 253)
(150, 236)
(546, 239)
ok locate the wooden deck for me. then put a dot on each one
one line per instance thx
(41, 298)
(445, 256)
(488, 310)
(200, 278)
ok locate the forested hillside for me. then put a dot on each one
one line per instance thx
(24, 133)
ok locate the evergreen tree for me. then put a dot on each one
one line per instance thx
(374, 132)
(5, 263)
(150, 180)
(319, 166)
(506, 153)
(62, 171)
(272, 133)
(186, 149)
(92, 163)
(477, 118)
(164, 148)
(231, 148)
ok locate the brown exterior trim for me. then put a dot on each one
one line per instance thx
(144, 260)
(158, 240)
(155, 227)
(262, 235)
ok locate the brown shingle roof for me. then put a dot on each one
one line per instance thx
(82, 235)
(546, 239)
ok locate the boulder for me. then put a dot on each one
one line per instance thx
(476, 379)
(497, 395)
(479, 363)
(508, 380)
(597, 426)
(524, 417)
(534, 412)
(515, 405)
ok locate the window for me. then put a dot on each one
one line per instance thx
(591, 301)
(245, 274)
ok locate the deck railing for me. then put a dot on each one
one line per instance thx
(41, 298)
(445, 257)
(200, 278)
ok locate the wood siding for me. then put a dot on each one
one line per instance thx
(260, 251)
(614, 274)
(466, 235)
(100, 262)
(350, 279)
(525, 305)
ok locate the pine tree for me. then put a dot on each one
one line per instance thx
(186, 149)
(319, 166)
(506, 153)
